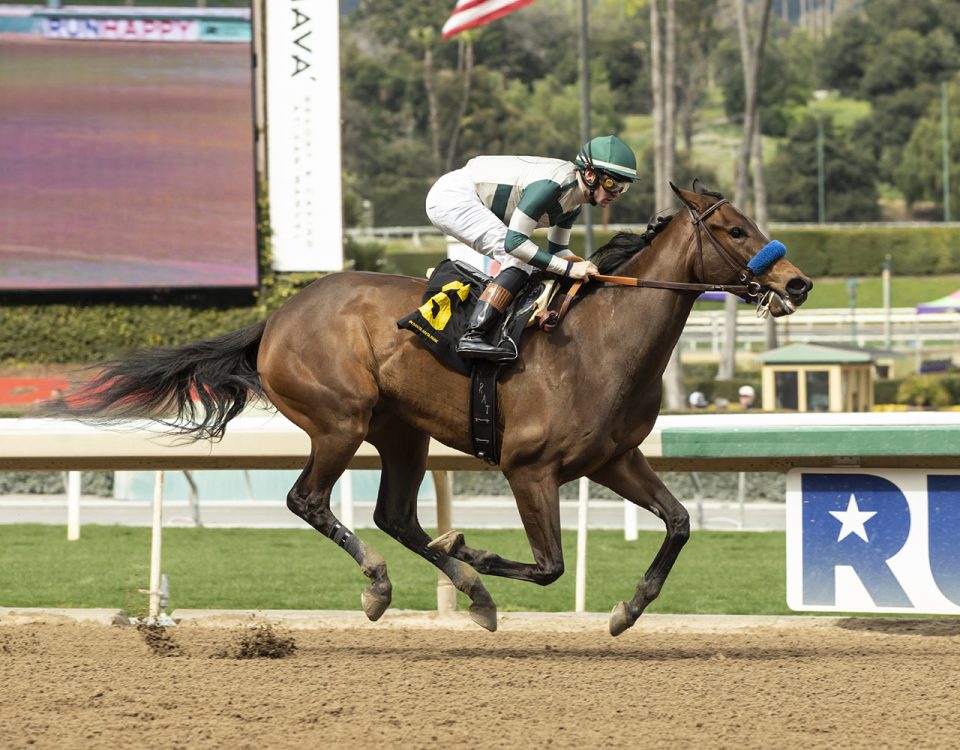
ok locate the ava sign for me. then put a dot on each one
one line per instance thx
(873, 541)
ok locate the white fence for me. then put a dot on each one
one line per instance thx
(901, 328)
(734, 442)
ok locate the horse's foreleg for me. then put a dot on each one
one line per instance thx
(538, 501)
(403, 455)
(631, 477)
(310, 500)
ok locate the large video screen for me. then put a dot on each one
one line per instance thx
(126, 164)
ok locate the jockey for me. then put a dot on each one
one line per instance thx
(494, 203)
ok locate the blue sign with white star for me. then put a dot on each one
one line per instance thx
(873, 541)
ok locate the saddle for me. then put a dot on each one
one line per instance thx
(453, 289)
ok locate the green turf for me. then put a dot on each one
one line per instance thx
(717, 573)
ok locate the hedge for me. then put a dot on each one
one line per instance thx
(67, 328)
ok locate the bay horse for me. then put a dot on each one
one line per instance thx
(578, 401)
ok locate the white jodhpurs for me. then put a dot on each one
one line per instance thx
(454, 208)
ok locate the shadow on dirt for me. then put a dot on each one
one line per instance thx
(892, 626)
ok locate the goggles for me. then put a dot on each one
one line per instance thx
(612, 186)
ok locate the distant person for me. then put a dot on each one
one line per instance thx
(747, 396)
(697, 400)
(493, 205)
(721, 404)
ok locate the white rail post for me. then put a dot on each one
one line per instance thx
(741, 497)
(154, 610)
(630, 521)
(346, 499)
(73, 506)
(582, 518)
(443, 483)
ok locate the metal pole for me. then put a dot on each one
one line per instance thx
(821, 191)
(887, 334)
(852, 289)
(585, 115)
(945, 119)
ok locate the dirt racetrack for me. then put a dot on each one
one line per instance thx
(841, 684)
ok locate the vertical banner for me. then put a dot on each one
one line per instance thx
(303, 134)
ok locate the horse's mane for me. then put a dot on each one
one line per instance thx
(624, 245)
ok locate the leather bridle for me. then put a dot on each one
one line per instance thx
(747, 289)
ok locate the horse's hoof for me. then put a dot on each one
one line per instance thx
(374, 604)
(619, 619)
(448, 543)
(484, 616)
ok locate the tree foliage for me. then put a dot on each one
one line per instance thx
(849, 177)
(524, 94)
(893, 54)
(786, 80)
(920, 174)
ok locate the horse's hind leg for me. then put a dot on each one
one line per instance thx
(310, 500)
(403, 454)
(538, 501)
(631, 477)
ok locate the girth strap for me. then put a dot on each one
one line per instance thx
(483, 411)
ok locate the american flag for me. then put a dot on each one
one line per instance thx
(469, 14)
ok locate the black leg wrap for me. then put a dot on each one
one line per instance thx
(342, 536)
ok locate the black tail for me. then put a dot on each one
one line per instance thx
(194, 390)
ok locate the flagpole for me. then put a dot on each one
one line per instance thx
(585, 116)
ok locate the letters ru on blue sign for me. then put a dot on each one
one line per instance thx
(873, 540)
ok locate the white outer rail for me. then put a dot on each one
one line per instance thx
(272, 442)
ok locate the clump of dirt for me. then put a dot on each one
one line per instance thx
(260, 642)
(158, 639)
(13, 642)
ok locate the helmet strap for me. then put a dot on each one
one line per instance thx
(593, 184)
(590, 185)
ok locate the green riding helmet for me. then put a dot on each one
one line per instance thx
(609, 154)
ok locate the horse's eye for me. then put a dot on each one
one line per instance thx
(737, 233)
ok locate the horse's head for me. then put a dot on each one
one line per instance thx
(736, 251)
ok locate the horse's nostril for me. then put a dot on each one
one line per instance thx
(797, 286)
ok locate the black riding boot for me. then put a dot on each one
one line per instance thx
(486, 318)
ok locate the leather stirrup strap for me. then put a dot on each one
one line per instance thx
(552, 320)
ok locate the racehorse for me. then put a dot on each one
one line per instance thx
(578, 401)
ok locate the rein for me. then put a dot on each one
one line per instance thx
(747, 289)
(751, 290)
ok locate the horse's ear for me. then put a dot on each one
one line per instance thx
(696, 201)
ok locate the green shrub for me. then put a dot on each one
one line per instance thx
(859, 250)
(365, 256)
(951, 384)
(885, 391)
(923, 390)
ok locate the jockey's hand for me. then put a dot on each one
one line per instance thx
(583, 269)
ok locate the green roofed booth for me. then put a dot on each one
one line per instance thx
(817, 377)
